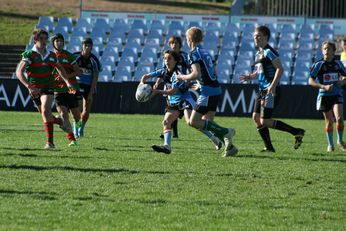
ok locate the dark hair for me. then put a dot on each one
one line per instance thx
(88, 41)
(176, 38)
(57, 36)
(329, 43)
(264, 30)
(175, 55)
(37, 32)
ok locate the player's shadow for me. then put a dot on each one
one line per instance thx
(38, 195)
(29, 149)
(288, 158)
(88, 170)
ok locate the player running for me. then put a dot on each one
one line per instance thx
(202, 69)
(268, 72)
(179, 100)
(90, 67)
(175, 44)
(65, 101)
(328, 76)
(38, 63)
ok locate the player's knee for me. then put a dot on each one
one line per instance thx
(165, 123)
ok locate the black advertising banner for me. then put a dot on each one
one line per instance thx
(296, 101)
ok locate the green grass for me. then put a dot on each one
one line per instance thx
(114, 181)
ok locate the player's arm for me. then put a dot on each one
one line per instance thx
(247, 77)
(93, 84)
(278, 72)
(145, 77)
(76, 71)
(20, 75)
(63, 75)
(194, 74)
(313, 83)
(171, 91)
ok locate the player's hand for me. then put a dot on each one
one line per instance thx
(71, 88)
(328, 87)
(179, 76)
(271, 90)
(34, 92)
(244, 78)
(341, 83)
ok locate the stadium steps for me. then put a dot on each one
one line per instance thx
(9, 58)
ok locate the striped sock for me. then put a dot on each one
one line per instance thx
(340, 132)
(48, 128)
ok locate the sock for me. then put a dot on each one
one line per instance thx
(340, 132)
(265, 135)
(167, 137)
(279, 125)
(70, 136)
(48, 128)
(57, 120)
(213, 127)
(175, 127)
(329, 133)
(84, 119)
(207, 133)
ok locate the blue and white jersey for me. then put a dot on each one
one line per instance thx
(209, 84)
(87, 66)
(264, 66)
(183, 89)
(183, 63)
(328, 73)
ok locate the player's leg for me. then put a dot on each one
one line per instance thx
(329, 119)
(338, 113)
(78, 111)
(175, 128)
(169, 117)
(48, 118)
(216, 141)
(87, 102)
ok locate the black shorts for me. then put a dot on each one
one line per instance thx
(65, 99)
(83, 92)
(179, 107)
(207, 103)
(266, 103)
(326, 103)
(45, 91)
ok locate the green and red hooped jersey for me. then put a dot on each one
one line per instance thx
(39, 69)
(67, 60)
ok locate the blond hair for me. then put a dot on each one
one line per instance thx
(195, 34)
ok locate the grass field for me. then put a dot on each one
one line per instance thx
(113, 181)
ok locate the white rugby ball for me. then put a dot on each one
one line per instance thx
(143, 92)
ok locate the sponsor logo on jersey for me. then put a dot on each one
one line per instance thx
(330, 77)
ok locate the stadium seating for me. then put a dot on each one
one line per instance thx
(131, 47)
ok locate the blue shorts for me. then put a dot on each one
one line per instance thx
(206, 104)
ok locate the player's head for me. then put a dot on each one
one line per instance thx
(87, 46)
(261, 36)
(40, 37)
(175, 43)
(58, 41)
(328, 50)
(343, 44)
(171, 59)
(194, 36)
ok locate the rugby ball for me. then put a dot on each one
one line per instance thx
(143, 93)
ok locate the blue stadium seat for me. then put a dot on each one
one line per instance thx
(286, 47)
(99, 32)
(288, 28)
(65, 22)
(139, 24)
(225, 64)
(247, 37)
(174, 32)
(248, 28)
(288, 37)
(176, 25)
(233, 27)
(150, 52)
(307, 29)
(127, 61)
(213, 26)
(246, 46)
(79, 32)
(120, 30)
(304, 56)
(115, 41)
(286, 55)
(84, 23)
(103, 23)
(306, 37)
(140, 72)
(227, 54)
(123, 73)
(153, 43)
(224, 75)
(46, 22)
(136, 33)
(300, 77)
(155, 33)
(212, 37)
(302, 66)
(105, 76)
(98, 41)
(134, 43)
(130, 51)
(74, 47)
(157, 24)
(97, 50)
(306, 45)
(193, 24)
(76, 40)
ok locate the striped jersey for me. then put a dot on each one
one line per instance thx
(209, 84)
(328, 73)
(264, 66)
(67, 60)
(183, 63)
(182, 92)
(40, 68)
(88, 66)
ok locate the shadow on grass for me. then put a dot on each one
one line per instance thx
(30, 149)
(38, 195)
(87, 170)
(288, 158)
